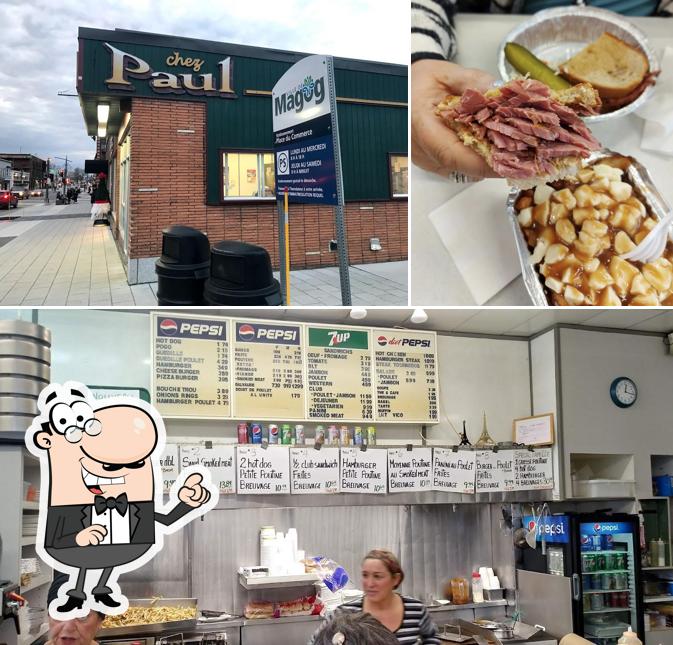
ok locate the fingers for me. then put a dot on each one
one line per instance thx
(193, 480)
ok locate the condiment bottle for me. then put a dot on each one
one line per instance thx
(477, 588)
(629, 637)
(460, 591)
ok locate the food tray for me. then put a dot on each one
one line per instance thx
(155, 628)
(555, 35)
(637, 176)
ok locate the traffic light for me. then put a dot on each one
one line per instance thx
(60, 172)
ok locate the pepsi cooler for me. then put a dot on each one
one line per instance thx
(594, 560)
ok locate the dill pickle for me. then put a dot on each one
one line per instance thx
(527, 63)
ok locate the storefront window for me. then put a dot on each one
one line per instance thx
(248, 175)
(399, 175)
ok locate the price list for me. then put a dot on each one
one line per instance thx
(339, 374)
(190, 371)
(405, 365)
(268, 377)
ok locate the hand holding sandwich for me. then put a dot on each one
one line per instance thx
(434, 147)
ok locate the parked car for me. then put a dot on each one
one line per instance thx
(8, 199)
(23, 193)
(36, 193)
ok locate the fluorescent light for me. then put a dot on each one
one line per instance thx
(103, 112)
(102, 130)
(358, 313)
(419, 316)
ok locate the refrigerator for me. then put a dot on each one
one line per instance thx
(599, 556)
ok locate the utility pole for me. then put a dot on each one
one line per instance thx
(65, 174)
(46, 198)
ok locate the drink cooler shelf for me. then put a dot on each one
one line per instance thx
(607, 610)
(587, 591)
(598, 573)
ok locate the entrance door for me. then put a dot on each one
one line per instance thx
(124, 190)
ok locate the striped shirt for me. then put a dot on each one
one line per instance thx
(416, 625)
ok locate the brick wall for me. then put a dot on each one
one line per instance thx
(175, 164)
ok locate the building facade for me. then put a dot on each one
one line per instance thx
(31, 170)
(188, 134)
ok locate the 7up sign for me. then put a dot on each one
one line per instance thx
(338, 338)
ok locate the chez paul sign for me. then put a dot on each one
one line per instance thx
(126, 66)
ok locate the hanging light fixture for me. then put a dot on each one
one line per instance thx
(419, 316)
(358, 313)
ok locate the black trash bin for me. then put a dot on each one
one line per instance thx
(240, 274)
(183, 266)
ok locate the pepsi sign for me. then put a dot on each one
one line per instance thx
(601, 528)
(263, 333)
(198, 328)
(392, 341)
(555, 528)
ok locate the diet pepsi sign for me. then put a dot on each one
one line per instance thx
(393, 341)
(195, 328)
(263, 333)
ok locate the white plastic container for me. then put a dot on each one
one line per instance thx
(267, 546)
(629, 637)
(477, 588)
(604, 488)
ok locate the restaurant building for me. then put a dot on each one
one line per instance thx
(187, 129)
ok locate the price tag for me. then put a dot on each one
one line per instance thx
(169, 465)
(262, 471)
(364, 472)
(314, 472)
(533, 470)
(409, 470)
(190, 366)
(219, 460)
(454, 472)
(495, 471)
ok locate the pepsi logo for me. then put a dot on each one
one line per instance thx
(597, 528)
(246, 332)
(168, 326)
(531, 525)
(382, 340)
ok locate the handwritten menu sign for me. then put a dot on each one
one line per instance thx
(453, 472)
(267, 374)
(190, 366)
(262, 471)
(409, 470)
(405, 365)
(363, 471)
(169, 465)
(533, 470)
(495, 471)
(338, 366)
(219, 460)
(314, 471)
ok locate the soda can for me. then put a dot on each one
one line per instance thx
(623, 598)
(358, 437)
(588, 562)
(273, 433)
(621, 580)
(610, 561)
(256, 429)
(596, 601)
(596, 542)
(612, 600)
(585, 543)
(299, 435)
(607, 582)
(600, 562)
(619, 560)
(606, 541)
(587, 582)
(371, 436)
(286, 437)
(319, 435)
(586, 602)
(332, 436)
(345, 436)
(265, 434)
(242, 432)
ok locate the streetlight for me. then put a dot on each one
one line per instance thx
(65, 174)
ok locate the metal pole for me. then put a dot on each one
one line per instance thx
(46, 198)
(281, 249)
(342, 240)
(286, 227)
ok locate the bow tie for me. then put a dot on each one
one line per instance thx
(101, 504)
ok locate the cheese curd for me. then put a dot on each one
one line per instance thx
(577, 232)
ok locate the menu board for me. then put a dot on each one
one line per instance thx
(169, 465)
(453, 472)
(339, 374)
(533, 470)
(260, 470)
(409, 471)
(363, 471)
(190, 369)
(219, 460)
(267, 370)
(405, 365)
(495, 471)
(314, 472)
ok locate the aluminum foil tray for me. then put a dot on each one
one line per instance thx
(555, 35)
(173, 626)
(636, 175)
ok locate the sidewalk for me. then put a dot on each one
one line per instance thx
(52, 255)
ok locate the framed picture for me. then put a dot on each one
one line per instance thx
(537, 430)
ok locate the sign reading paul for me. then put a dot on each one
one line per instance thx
(304, 122)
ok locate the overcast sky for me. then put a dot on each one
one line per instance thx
(38, 46)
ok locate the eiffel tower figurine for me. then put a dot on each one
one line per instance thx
(464, 441)
(485, 440)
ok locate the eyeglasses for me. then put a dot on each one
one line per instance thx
(92, 427)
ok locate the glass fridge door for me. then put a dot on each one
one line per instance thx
(608, 567)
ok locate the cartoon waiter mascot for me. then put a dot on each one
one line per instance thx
(101, 508)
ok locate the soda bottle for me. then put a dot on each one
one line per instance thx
(299, 435)
(273, 433)
(256, 429)
(242, 433)
(319, 435)
(286, 434)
